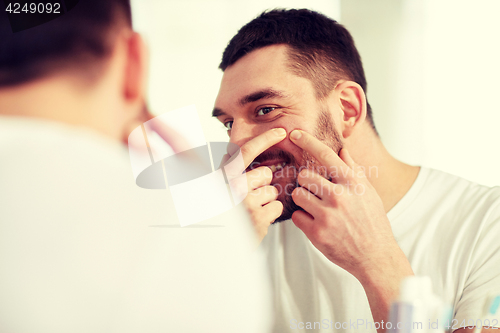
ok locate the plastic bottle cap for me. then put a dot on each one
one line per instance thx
(415, 288)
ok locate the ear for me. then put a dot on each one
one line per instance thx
(135, 84)
(352, 101)
(134, 88)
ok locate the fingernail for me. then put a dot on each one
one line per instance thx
(279, 132)
(295, 134)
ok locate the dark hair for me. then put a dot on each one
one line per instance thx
(77, 39)
(320, 49)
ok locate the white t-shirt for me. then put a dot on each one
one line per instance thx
(449, 229)
(83, 249)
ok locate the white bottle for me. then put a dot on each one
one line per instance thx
(417, 309)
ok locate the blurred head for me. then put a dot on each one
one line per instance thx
(294, 69)
(91, 53)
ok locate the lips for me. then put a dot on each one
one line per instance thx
(274, 165)
(274, 159)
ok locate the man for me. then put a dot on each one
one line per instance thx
(82, 248)
(361, 220)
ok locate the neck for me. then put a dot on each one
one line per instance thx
(58, 98)
(390, 177)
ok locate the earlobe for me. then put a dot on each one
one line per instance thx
(352, 101)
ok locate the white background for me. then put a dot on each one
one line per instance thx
(432, 68)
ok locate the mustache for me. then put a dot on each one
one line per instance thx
(274, 155)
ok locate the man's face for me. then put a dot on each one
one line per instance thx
(259, 93)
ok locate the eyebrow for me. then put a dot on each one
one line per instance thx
(217, 112)
(253, 97)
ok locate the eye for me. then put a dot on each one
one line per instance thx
(228, 125)
(264, 111)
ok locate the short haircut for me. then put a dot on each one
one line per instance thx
(79, 39)
(320, 49)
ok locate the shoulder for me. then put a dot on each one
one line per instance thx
(447, 212)
(458, 193)
(61, 173)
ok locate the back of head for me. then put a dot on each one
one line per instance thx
(76, 40)
(320, 49)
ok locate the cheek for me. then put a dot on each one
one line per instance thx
(288, 145)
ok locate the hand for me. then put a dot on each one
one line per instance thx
(345, 219)
(261, 197)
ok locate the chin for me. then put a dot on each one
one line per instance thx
(289, 206)
(286, 182)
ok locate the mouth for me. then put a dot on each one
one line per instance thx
(277, 167)
(275, 160)
(273, 165)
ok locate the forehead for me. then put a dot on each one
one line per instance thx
(264, 68)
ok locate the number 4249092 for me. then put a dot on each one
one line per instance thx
(39, 8)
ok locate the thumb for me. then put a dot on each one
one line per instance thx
(346, 157)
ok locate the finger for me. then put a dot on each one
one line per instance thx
(315, 183)
(239, 187)
(302, 219)
(253, 148)
(261, 196)
(357, 171)
(272, 210)
(324, 154)
(305, 199)
(242, 185)
(259, 177)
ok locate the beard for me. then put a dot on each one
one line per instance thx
(285, 180)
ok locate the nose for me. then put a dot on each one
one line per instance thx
(242, 131)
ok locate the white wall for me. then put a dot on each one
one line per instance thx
(433, 73)
(462, 88)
